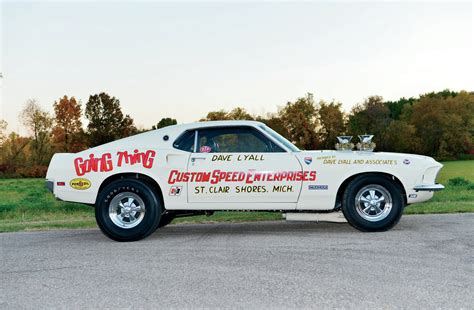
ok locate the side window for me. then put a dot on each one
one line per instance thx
(234, 140)
(185, 142)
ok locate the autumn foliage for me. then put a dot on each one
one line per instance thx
(68, 135)
(439, 124)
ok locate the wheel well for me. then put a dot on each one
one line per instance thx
(342, 188)
(135, 176)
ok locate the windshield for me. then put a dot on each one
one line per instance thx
(275, 135)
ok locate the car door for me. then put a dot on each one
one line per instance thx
(240, 164)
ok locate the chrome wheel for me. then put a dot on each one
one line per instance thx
(126, 210)
(373, 202)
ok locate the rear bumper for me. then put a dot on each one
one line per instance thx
(429, 188)
(49, 185)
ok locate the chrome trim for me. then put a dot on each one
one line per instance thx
(429, 188)
(373, 202)
(196, 140)
(127, 210)
(256, 127)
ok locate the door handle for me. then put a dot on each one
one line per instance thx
(196, 158)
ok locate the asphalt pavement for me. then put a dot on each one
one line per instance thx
(426, 261)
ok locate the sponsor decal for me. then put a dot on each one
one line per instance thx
(175, 190)
(205, 149)
(80, 183)
(242, 157)
(318, 187)
(248, 177)
(412, 196)
(406, 161)
(241, 189)
(104, 163)
(308, 160)
(329, 161)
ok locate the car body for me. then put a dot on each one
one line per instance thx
(233, 165)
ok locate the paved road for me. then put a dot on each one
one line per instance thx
(424, 262)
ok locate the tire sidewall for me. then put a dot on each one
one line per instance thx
(349, 205)
(150, 219)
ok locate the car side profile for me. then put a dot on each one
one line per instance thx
(143, 182)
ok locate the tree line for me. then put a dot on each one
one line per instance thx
(438, 124)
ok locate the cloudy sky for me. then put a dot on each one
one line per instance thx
(182, 60)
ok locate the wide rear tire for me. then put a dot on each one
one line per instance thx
(373, 203)
(127, 210)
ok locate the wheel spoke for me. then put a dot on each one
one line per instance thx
(378, 209)
(366, 209)
(130, 201)
(372, 194)
(137, 209)
(364, 199)
(382, 198)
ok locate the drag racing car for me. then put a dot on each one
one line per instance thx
(140, 183)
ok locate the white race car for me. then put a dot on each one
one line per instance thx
(141, 183)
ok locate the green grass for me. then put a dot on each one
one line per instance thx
(25, 204)
(453, 198)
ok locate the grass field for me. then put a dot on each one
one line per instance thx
(25, 204)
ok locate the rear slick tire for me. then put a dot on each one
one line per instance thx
(127, 210)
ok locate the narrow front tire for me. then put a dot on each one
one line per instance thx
(373, 203)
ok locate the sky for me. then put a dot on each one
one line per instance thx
(183, 59)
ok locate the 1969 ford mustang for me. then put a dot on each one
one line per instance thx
(141, 183)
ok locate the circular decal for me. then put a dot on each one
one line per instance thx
(406, 161)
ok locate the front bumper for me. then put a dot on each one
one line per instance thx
(49, 185)
(429, 188)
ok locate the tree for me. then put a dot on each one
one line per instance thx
(300, 119)
(164, 122)
(239, 114)
(14, 151)
(220, 115)
(331, 120)
(402, 137)
(370, 117)
(39, 123)
(444, 123)
(396, 107)
(68, 134)
(3, 131)
(275, 122)
(106, 120)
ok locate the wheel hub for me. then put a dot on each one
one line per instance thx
(126, 210)
(373, 202)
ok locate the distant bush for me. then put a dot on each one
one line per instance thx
(461, 182)
(36, 171)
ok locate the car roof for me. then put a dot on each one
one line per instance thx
(174, 131)
(197, 125)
